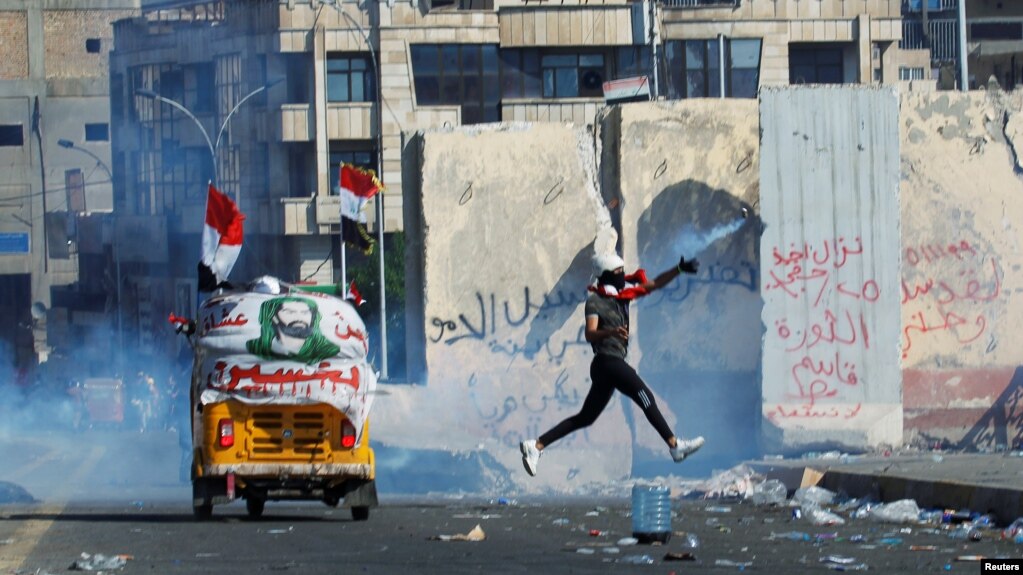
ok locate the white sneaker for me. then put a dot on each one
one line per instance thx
(530, 455)
(686, 447)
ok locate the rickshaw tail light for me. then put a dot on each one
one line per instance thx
(347, 434)
(225, 431)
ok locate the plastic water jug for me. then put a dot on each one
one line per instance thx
(651, 513)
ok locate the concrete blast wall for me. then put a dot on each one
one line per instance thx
(917, 280)
(830, 254)
(962, 268)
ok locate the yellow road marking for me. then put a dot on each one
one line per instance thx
(27, 537)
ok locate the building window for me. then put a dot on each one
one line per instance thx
(299, 67)
(12, 135)
(815, 64)
(466, 75)
(520, 73)
(350, 79)
(996, 31)
(632, 62)
(701, 65)
(911, 73)
(744, 67)
(198, 88)
(572, 75)
(694, 68)
(92, 45)
(360, 158)
(97, 132)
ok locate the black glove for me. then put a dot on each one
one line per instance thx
(687, 267)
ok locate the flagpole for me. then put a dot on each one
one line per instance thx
(344, 265)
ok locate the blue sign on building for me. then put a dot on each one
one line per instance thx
(14, 243)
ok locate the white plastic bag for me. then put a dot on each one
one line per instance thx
(770, 492)
(902, 511)
(813, 495)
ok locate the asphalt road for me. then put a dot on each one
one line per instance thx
(119, 494)
(520, 537)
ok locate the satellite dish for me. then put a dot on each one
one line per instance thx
(38, 311)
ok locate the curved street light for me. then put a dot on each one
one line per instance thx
(213, 147)
(68, 144)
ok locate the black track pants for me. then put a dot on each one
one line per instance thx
(608, 374)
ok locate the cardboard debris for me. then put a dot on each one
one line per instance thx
(476, 534)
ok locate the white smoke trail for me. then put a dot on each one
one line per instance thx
(690, 242)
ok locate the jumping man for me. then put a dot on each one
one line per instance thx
(607, 330)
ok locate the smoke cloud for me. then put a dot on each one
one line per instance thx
(689, 242)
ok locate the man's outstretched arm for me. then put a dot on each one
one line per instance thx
(664, 278)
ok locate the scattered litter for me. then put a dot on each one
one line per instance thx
(597, 533)
(838, 559)
(735, 482)
(856, 567)
(99, 562)
(679, 557)
(790, 535)
(611, 550)
(819, 516)
(626, 541)
(965, 532)
(719, 509)
(504, 501)
(970, 558)
(923, 547)
(858, 538)
(813, 494)
(770, 492)
(585, 551)
(637, 560)
(825, 536)
(477, 516)
(729, 563)
(902, 511)
(560, 521)
(476, 534)
(593, 513)
(280, 531)
(890, 541)
(692, 541)
(6, 541)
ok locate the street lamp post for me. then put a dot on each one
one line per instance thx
(213, 146)
(69, 145)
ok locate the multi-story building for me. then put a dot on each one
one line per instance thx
(346, 80)
(931, 42)
(55, 149)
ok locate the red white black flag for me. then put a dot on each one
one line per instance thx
(221, 240)
(357, 187)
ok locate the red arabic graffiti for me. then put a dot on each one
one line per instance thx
(282, 382)
(945, 300)
(809, 273)
(831, 330)
(815, 411)
(834, 252)
(934, 252)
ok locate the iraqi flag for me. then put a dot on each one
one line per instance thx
(357, 187)
(221, 240)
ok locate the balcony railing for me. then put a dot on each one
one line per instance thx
(917, 6)
(700, 3)
(944, 38)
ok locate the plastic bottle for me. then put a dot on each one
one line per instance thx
(651, 513)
